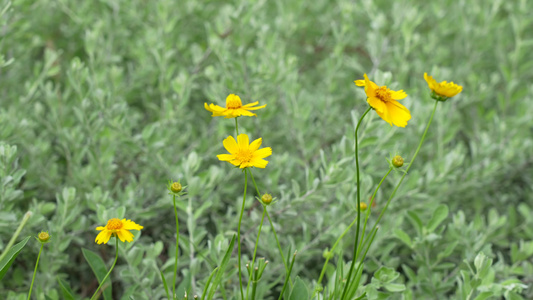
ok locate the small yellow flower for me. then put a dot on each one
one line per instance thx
(384, 102)
(234, 108)
(444, 90)
(243, 154)
(116, 227)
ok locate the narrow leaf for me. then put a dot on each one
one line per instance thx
(98, 266)
(221, 269)
(10, 256)
(439, 215)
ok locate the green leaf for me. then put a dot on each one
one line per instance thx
(415, 220)
(395, 287)
(439, 215)
(98, 266)
(222, 268)
(165, 284)
(299, 291)
(404, 237)
(65, 289)
(10, 256)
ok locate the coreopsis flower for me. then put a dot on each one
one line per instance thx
(443, 90)
(118, 228)
(234, 108)
(385, 102)
(243, 154)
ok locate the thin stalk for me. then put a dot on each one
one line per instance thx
(273, 230)
(95, 295)
(174, 296)
(288, 276)
(35, 271)
(356, 150)
(27, 215)
(408, 167)
(350, 226)
(255, 251)
(239, 228)
(236, 126)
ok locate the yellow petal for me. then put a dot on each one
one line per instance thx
(130, 225)
(243, 141)
(100, 228)
(225, 157)
(399, 115)
(376, 104)
(360, 82)
(231, 145)
(398, 95)
(125, 235)
(385, 116)
(103, 237)
(259, 163)
(255, 144)
(262, 153)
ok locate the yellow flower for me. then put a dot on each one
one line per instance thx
(234, 108)
(243, 154)
(444, 90)
(384, 102)
(116, 227)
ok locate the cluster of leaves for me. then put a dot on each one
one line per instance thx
(102, 102)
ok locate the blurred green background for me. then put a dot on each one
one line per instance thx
(101, 103)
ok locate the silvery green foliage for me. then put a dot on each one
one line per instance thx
(101, 102)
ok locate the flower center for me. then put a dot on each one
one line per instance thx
(244, 155)
(233, 102)
(383, 93)
(114, 224)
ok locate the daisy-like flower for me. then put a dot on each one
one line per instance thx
(243, 154)
(234, 108)
(442, 91)
(119, 228)
(384, 102)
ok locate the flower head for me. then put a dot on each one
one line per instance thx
(267, 199)
(118, 228)
(384, 102)
(234, 108)
(442, 91)
(397, 161)
(243, 154)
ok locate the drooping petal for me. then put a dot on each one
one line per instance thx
(399, 115)
(360, 82)
(125, 235)
(255, 144)
(225, 157)
(247, 107)
(103, 237)
(100, 228)
(130, 225)
(385, 116)
(243, 112)
(376, 104)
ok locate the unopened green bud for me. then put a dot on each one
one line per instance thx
(267, 199)
(363, 206)
(175, 187)
(43, 237)
(397, 161)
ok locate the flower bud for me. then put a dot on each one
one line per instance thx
(43, 237)
(176, 187)
(363, 206)
(267, 199)
(397, 161)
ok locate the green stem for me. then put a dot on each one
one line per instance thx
(356, 150)
(255, 251)
(273, 230)
(236, 126)
(239, 228)
(369, 210)
(288, 277)
(174, 296)
(408, 167)
(95, 295)
(27, 215)
(35, 271)
(349, 227)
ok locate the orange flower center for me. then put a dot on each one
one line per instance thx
(383, 93)
(244, 155)
(114, 224)
(233, 102)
